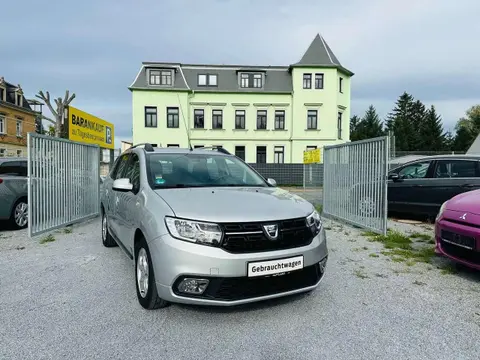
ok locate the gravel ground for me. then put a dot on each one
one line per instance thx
(74, 299)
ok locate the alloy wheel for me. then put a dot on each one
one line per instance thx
(142, 272)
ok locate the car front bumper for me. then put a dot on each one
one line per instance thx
(459, 253)
(173, 260)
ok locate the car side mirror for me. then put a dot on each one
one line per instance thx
(272, 182)
(123, 185)
(394, 177)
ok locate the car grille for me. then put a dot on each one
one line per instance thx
(250, 237)
(458, 239)
(240, 288)
(461, 253)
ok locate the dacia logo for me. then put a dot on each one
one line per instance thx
(271, 231)
(463, 217)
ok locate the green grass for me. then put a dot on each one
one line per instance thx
(374, 255)
(67, 230)
(449, 270)
(393, 240)
(319, 208)
(421, 236)
(398, 247)
(47, 239)
(360, 274)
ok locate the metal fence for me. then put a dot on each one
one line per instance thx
(355, 183)
(310, 175)
(63, 182)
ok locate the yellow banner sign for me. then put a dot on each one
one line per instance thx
(311, 156)
(89, 129)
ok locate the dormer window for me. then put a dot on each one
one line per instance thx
(2, 94)
(161, 77)
(207, 79)
(251, 80)
(19, 99)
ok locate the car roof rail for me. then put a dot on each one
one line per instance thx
(147, 146)
(217, 148)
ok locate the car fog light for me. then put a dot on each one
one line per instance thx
(193, 286)
(323, 264)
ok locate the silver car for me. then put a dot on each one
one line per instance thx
(203, 227)
(14, 191)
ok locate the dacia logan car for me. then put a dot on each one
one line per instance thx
(203, 227)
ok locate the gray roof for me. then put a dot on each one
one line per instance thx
(10, 97)
(278, 79)
(318, 53)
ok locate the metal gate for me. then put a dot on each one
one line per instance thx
(63, 182)
(355, 183)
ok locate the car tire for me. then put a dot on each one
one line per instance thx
(19, 215)
(107, 239)
(145, 278)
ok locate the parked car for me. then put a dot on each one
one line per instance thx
(203, 227)
(423, 185)
(14, 191)
(457, 229)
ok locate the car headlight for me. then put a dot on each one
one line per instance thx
(442, 209)
(194, 231)
(314, 222)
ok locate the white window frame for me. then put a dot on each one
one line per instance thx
(19, 152)
(19, 128)
(3, 124)
(279, 154)
(3, 152)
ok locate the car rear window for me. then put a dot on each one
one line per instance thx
(13, 168)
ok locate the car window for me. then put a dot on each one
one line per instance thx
(415, 171)
(13, 168)
(119, 171)
(456, 169)
(133, 172)
(199, 170)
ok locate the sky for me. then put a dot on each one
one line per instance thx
(94, 48)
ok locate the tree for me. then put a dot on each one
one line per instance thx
(39, 128)
(400, 122)
(354, 121)
(59, 112)
(431, 134)
(370, 126)
(467, 129)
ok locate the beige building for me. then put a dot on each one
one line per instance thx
(17, 119)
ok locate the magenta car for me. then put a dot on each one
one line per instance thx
(457, 229)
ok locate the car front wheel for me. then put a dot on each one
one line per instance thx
(145, 278)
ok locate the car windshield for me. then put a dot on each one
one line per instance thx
(199, 170)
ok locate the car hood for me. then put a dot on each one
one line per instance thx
(235, 204)
(465, 202)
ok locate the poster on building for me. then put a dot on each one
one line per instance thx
(89, 129)
(312, 156)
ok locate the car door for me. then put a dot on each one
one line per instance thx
(128, 205)
(450, 178)
(405, 193)
(13, 185)
(113, 196)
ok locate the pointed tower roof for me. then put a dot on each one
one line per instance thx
(319, 54)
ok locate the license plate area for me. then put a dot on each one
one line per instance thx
(466, 242)
(276, 267)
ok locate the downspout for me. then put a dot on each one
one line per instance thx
(189, 95)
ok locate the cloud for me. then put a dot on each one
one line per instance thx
(95, 48)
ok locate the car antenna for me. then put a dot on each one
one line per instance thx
(185, 123)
